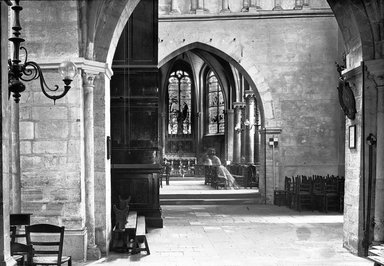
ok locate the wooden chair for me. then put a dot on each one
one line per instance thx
(289, 185)
(318, 192)
(303, 194)
(47, 242)
(19, 251)
(332, 198)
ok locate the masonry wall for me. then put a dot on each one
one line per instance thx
(51, 135)
(291, 59)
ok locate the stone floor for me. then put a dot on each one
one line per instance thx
(242, 235)
(239, 234)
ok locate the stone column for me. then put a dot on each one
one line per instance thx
(305, 3)
(200, 7)
(255, 6)
(250, 126)
(225, 6)
(257, 135)
(93, 252)
(174, 8)
(193, 6)
(5, 258)
(230, 135)
(378, 234)
(245, 6)
(16, 174)
(277, 6)
(376, 70)
(298, 4)
(238, 108)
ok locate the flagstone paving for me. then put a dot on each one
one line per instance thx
(234, 235)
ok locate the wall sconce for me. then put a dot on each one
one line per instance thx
(31, 70)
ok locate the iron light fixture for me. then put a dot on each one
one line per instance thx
(30, 70)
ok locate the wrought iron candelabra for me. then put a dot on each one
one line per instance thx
(30, 70)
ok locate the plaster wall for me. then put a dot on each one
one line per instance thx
(291, 62)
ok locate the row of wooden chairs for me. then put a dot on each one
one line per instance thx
(40, 249)
(246, 175)
(315, 192)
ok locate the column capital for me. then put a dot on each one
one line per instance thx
(375, 70)
(88, 78)
(248, 94)
(238, 105)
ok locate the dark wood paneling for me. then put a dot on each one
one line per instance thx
(141, 183)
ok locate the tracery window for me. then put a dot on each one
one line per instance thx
(179, 103)
(215, 103)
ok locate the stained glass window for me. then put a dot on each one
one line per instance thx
(215, 103)
(179, 103)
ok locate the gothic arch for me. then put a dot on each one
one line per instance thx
(248, 70)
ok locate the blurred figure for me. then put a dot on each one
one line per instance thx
(223, 172)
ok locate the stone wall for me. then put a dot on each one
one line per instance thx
(353, 170)
(291, 62)
(216, 6)
(51, 135)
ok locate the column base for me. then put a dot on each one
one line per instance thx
(8, 262)
(93, 253)
(225, 10)
(254, 9)
(277, 8)
(174, 12)
(200, 11)
(298, 8)
(245, 9)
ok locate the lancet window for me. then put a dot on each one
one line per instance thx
(215, 104)
(179, 103)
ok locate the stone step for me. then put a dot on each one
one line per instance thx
(200, 201)
(244, 195)
(376, 254)
(211, 198)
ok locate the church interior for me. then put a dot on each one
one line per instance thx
(236, 103)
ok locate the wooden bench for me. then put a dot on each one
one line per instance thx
(140, 236)
(136, 232)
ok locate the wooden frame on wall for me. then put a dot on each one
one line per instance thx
(352, 137)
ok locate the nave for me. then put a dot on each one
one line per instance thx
(238, 234)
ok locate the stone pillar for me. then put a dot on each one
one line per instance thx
(298, 5)
(238, 108)
(249, 123)
(378, 234)
(277, 6)
(305, 3)
(225, 6)
(376, 69)
(200, 7)
(93, 252)
(16, 174)
(174, 8)
(257, 135)
(230, 134)
(193, 6)
(245, 6)
(5, 258)
(255, 5)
